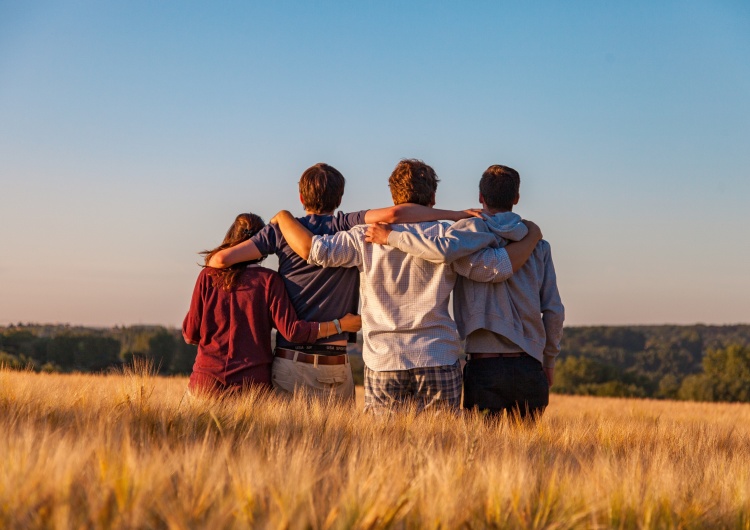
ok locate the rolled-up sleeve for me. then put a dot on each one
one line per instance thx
(342, 249)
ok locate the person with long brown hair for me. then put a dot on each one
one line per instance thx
(231, 316)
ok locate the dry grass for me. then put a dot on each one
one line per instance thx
(132, 451)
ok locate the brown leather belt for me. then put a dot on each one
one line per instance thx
(473, 356)
(311, 358)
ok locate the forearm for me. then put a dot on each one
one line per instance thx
(416, 213)
(245, 251)
(520, 251)
(447, 248)
(349, 323)
(297, 236)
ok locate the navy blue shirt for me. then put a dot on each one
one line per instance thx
(317, 293)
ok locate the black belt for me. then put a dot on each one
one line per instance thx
(473, 356)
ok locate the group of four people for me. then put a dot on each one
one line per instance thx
(403, 264)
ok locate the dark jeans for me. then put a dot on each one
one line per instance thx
(517, 385)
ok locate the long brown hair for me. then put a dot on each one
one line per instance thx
(245, 226)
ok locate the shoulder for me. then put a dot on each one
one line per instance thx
(255, 276)
(266, 239)
(264, 232)
(258, 271)
(206, 273)
(543, 249)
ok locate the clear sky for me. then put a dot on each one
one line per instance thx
(132, 133)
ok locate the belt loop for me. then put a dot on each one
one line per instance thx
(315, 361)
(296, 354)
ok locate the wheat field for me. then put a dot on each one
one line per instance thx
(132, 450)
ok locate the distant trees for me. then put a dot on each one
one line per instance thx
(69, 349)
(664, 362)
(725, 377)
(706, 363)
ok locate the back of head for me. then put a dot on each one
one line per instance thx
(321, 188)
(413, 181)
(245, 226)
(499, 187)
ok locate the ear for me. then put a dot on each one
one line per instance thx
(432, 200)
(518, 197)
(301, 199)
(481, 199)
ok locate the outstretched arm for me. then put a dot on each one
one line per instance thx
(245, 251)
(297, 236)
(441, 249)
(416, 213)
(462, 239)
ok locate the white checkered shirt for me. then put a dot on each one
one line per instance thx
(405, 319)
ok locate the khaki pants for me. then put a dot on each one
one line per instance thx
(322, 380)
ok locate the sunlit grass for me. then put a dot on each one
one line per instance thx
(134, 451)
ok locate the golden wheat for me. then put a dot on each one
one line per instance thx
(134, 451)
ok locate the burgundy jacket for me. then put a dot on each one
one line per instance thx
(233, 328)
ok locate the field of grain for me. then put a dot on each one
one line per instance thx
(133, 451)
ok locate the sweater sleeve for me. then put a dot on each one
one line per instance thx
(191, 326)
(486, 265)
(285, 317)
(459, 240)
(553, 311)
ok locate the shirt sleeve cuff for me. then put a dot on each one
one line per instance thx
(393, 238)
(315, 250)
(549, 362)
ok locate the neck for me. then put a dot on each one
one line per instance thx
(310, 212)
(493, 211)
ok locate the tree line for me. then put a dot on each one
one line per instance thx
(63, 348)
(704, 363)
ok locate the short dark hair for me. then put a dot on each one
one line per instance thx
(413, 181)
(499, 187)
(321, 187)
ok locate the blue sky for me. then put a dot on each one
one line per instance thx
(132, 133)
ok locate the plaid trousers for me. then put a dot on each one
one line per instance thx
(434, 386)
